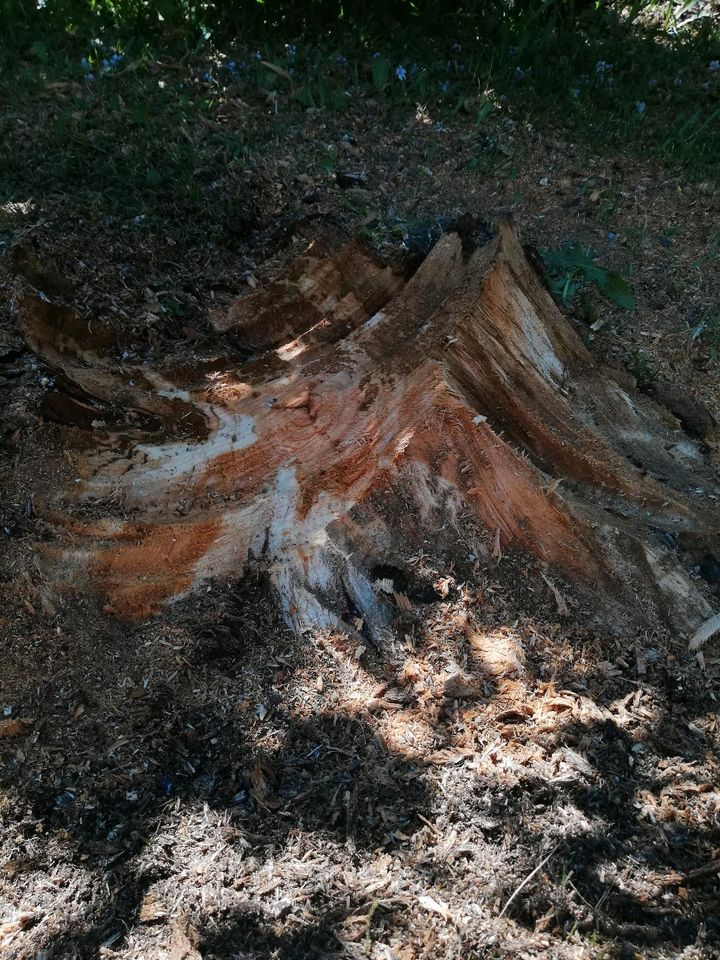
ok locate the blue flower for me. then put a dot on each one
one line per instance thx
(376, 55)
(602, 67)
(714, 66)
(444, 85)
(576, 91)
(116, 58)
(291, 50)
(414, 69)
(84, 64)
(677, 82)
(207, 77)
(613, 236)
(231, 66)
(400, 72)
(640, 106)
(106, 64)
(341, 59)
(652, 83)
(257, 55)
(89, 77)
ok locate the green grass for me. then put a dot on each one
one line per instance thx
(140, 139)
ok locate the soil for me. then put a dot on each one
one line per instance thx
(205, 783)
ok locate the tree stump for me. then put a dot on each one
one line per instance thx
(353, 418)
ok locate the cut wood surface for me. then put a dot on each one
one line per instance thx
(352, 417)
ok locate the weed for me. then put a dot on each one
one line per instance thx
(708, 331)
(640, 367)
(570, 268)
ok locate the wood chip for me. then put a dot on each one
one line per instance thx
(703, 633)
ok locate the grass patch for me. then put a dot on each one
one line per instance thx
(152, 126)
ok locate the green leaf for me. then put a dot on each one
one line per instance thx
(484, 112)
(570, 265)
(380, 72)
(39, 50)
(305, 97)
(616, 289)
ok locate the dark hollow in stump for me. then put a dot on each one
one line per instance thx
(456, 412)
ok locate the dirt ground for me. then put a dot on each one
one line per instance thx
(206, 784)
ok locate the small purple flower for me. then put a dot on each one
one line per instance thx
(231, 66)
(602, 67)
(257, 55)
(613, 236)
(400, 72)
(116, 58)
(291, 50)
(106, 64)
(444, 85)
(207, 77)
(84, 64)
(714, 66)
(376, 55)
(576, 92)
(640, 106)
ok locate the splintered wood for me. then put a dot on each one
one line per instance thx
(353, 418)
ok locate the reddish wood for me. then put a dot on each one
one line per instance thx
(453, 412)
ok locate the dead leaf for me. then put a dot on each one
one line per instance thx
(21, 922)
(553, 485)
(14, 727)
(262, 778)
(559, 599)
(435, 906)
(276, 69)
(498, 654)
(459, 686)
(559, 704)
(441, 757)
(151, 910)
(514, 715)
(497, 548)
(185, 938)
(402, 600)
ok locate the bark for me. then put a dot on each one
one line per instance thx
(375, 418)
